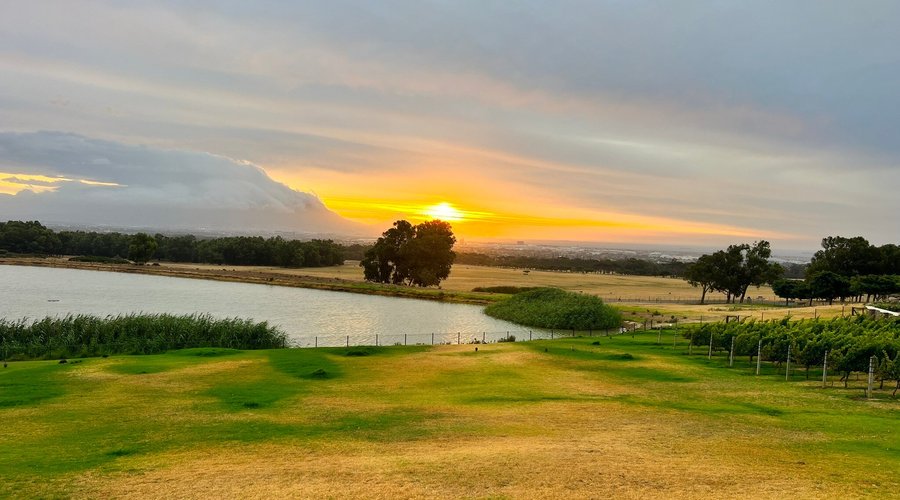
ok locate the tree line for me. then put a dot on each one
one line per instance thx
(33, 238)
(632, 266)
(846, 268)
(843, 268)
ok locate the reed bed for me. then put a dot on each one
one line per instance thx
(86, 335)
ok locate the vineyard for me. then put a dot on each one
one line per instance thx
(842, 346)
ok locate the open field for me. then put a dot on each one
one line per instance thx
(640, 297)
(464, 278)
(565, 418)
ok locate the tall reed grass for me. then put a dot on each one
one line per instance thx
(85, 335)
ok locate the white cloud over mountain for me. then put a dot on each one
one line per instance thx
(85, 180)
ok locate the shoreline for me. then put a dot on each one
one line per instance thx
(263, 278)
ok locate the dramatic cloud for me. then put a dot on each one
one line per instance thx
(105, 182)
(762, 119)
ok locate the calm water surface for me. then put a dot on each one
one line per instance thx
(309, 317)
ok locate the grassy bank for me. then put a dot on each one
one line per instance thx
(85, 335)
(553, 308)
(564, 418)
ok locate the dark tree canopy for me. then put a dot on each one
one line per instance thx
(828, 286)
(33, 238)
(415, 255)
(705, 273)
(733, 270)
(848, 267)
(28, 237)
(790, 289)
(141, 248)
(846, 257)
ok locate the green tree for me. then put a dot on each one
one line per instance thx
(846, 257)
(790, 289)
(28, 237)
(415, 255)
(382, 263)
(828, 285)
(141, 248)
(429, 255)
(705, 273)
(734, 270)
(756, 268)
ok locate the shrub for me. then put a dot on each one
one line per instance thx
(555, 308)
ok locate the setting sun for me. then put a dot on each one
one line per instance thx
(444, 211)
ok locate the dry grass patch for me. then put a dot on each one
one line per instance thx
(621, 456)
(509, 421)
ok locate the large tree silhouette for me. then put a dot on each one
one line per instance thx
(414, 255)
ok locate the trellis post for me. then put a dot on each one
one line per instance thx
(731, 355)
(758, 356)
(787, 368)
(871, 376)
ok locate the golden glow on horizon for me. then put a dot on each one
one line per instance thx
(556, 222)
(493, 212)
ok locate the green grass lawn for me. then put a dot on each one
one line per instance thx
(580, 417)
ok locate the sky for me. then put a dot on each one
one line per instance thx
(690, 123)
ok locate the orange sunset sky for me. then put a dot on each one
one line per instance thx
(698, 124)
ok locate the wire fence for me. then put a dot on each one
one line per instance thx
(47, 348)
(50, 348)
(694, 300)
(441, 338)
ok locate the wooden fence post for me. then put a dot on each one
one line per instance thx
(758, 356)
(731, 355)
(871, 376)
(787, 368)
(825, 370)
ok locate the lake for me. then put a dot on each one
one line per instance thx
(309, 317)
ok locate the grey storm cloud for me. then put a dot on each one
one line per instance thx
(140, 185)
(771, 115)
